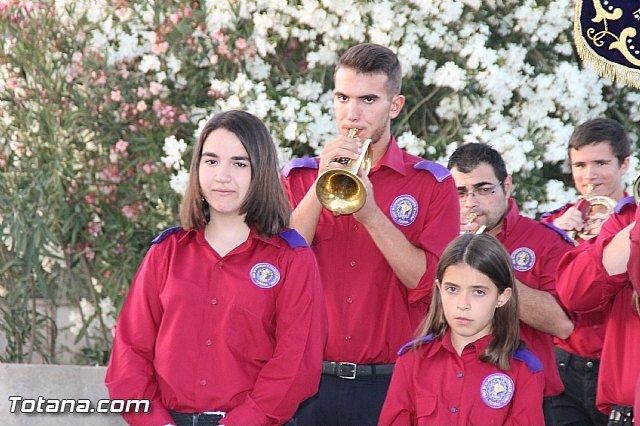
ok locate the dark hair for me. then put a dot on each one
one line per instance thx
(368, 58)
(468, 156)
(602, 130)
(266, 206)
(484, 253)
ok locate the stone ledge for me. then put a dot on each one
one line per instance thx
(29, 381)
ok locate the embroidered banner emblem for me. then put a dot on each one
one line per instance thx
(523, 259)
(404, 210)
(497, 390)
(264, 275)
(606, 38)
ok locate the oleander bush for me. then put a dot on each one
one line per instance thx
(100, 102)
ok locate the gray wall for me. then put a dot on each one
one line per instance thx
(30, 381)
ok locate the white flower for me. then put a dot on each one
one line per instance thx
(173, 149)
(179, 181)
(412, 144)
(149, 63)
(451, 75)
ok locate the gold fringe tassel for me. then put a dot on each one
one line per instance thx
(603, 67)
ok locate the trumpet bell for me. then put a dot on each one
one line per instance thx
(341, 191)
(601, 204)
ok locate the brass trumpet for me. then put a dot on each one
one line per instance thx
(590, 204)
(471, 217)
(340, 189)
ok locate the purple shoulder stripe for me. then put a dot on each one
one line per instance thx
(294, 239)
(626, 200)
(562, 232)
(407, 346)
(438, 171)
(305, 162)
(165, 234)
(559, 209)
(526, 356)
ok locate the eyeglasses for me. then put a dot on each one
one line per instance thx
(481, 191)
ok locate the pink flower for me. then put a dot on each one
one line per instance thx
(88, 198)
(149, 168)
(160, 48)
(175, 18)
(121, 146)
(155, 88)
(130, 212)
(94, 228)
(241, 44)
(141, 106)
(111, 174)
(116, 96)
(89, 254)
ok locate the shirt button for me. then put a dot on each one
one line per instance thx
(454, 410)
(347, 337)
(349, 300)
(589, 364)
(356, 227)
(221, 264)
(352, 263)
(208, 342)
(203, 383)
(460, 375)
(214, 301)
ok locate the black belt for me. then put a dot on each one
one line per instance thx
(211, 418)
(349, 370)
(621, 415)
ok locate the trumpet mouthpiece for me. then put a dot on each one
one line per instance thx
(352, 132)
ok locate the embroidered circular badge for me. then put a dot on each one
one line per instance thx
(523, 259)
(497, 390)
(264, 275)
(404, 210)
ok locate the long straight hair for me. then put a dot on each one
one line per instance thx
(485, 254)
(266, 206)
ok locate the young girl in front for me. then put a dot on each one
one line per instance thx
(468, 365)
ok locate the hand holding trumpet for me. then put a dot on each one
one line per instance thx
(339, 151)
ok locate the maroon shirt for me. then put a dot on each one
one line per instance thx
(588, 333)
(242, 333)
(433, 385)
(584, 286)
(535, 250)
(371, 313)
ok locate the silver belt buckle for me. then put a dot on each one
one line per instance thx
(216, 413)
(350, 376)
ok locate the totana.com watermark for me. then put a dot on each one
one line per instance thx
(56, 405)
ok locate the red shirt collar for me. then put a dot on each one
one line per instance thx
(392, 158)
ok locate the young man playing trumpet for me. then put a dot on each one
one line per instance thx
(378, 263)
(599, 152)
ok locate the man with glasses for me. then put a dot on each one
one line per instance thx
(484, 191)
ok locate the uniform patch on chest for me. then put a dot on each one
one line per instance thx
(497, 390)
(264, 275)
(523, 259)
(404, 210)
